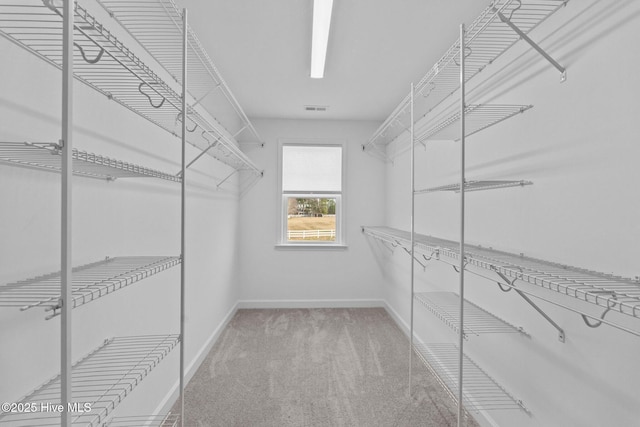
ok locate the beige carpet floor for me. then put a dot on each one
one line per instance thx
(314, 367)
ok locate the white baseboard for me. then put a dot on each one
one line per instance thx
(328, 303)
(404, 327)
(165, 405)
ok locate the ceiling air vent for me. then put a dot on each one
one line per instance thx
(316, 107)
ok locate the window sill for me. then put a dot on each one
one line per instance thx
(310, 246)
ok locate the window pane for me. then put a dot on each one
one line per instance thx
(306, 168)
(311, 219)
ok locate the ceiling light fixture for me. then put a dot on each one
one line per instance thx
(320, 37)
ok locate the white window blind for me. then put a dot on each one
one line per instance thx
(311, 168)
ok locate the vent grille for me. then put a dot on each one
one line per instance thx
(316, 107)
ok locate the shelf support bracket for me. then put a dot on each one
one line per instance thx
(534, 45)
(226, 178)
(424, 266)
(202, 153)
(510, 283)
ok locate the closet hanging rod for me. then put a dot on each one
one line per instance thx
(101, 380)
(46, 156)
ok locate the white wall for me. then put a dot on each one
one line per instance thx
(120, 218)
(579, 147)
(272, 276)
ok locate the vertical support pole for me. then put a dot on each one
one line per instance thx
(413, 198)
(66, 392)
(183, 209)
(462, 167)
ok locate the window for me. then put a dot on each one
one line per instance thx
(311, 194)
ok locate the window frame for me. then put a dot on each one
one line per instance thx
(282, 238)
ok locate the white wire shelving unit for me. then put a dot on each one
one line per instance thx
(437, 108)
(101, 380)
(493, 32)
(478, 321)
(104, 63)
(157, 26)
(67, 36)
(90, 282)
(477, 116)
(480, 392)
(606, 291)
(479, 185)
(47, 156)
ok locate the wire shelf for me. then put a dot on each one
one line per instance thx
(446, 307)
(613, 293)
(479, 391)
(486, 39)
(104, 63)
(47, 156)
(101, 380)
(477, 118)
(157, 26)
(169, 420)
(476, 186)
(89, 282)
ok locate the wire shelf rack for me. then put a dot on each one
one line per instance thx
(446, 307)
(169, 420)
(104, 63)
(157, 26)
(487, 38)
(611, 292)
(477, 186)
(90, 282)
(479, 392)
(47, 156)
(477, 118)
(101, 380)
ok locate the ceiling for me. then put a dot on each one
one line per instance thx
(376, 49)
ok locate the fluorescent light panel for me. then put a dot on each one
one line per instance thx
(320, 37)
